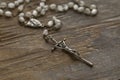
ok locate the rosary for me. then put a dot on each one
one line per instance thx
(29, 19)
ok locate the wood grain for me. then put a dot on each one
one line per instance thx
(25, 56)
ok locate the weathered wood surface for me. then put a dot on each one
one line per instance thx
(25, 56)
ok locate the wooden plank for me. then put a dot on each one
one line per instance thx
(25, 56)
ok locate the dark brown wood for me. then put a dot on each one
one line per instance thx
(24, 55)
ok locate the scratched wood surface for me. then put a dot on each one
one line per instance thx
(25, 56)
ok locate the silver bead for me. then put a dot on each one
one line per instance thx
(28, 14)
(94, 12)
(75, 7)
(3, 5)
(1, 12)
(70, 4)
(93, 6)
(45, 32)
(60, 8)
(8, 14)
(21, 19)
(50, 23)
(35, 13)
(20, 8)
(34, 23)
(53, 6)
(87, 11)
(11, 5)
(81, 9)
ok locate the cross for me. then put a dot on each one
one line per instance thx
(62, 45)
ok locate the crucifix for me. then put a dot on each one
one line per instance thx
(62, 45)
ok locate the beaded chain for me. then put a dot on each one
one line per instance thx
(29, 19)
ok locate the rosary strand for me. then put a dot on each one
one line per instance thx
(29, 19)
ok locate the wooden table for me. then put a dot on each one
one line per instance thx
(24, 55)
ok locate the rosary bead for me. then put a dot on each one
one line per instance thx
(75, 7)
(16, 3)
(94, 12)
(11, 5)
(43, 12)
(58, 23)
(27, 1)
(81, 9)
(20, 1)
(81, 3)
(70, 4)
(45, 32)
(60, 8)
(21, 19)
(8, 14)
(20, 8)
(42, 4)
(46, 7)
(58, 26)
(35, 13)
(50, 23)
(21, 14)
(53, 6)
(1, 12)
(3, 5)
(28, 14)
(93, 6)
(56, 20)
(39, 8)
(87, 11)
(65, 6)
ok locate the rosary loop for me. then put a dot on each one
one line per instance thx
(30, 19)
